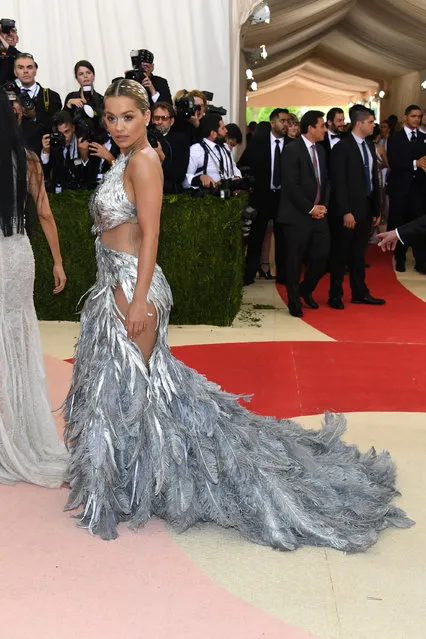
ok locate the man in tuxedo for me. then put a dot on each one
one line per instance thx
(263, 156)
(335, 131)
(302, 211)
(174, 148)
(156, 87)
(355, 206)
(43, 103)
(407, 183)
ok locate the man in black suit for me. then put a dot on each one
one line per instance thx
(263, 156)
(355, 206)
(336, 128)
(8, 52)
(174, 148)
(42, 103)
(407, 183)
(156, 87)
(302, 211)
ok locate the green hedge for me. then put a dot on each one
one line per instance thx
(200, 252)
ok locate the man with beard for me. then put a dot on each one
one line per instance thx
(336, 130)
(210, 161)
(174, 148)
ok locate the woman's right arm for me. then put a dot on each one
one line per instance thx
(47, 221)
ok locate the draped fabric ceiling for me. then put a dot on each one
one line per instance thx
(328, 52)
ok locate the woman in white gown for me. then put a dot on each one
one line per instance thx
(30, 449)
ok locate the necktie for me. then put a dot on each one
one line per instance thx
(276, 174)
(317, 175)
(221, 165)
(413, 136)
(366, 167)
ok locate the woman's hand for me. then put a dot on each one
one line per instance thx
(59, 277)
(77, 102)
(137, 317)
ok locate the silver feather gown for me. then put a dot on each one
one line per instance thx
(162, 440)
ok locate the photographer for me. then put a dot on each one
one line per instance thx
(39, 104)
(31, 131)
(8, 52)
(174, 146)
(143, 66)
(66, 159)
(84, 73)
(190, 108)
(210, 162)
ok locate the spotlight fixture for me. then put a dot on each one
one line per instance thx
(263, 52)
(423, 84)
(382, 94)
(253, 85)
(249, 74)
(262, 14)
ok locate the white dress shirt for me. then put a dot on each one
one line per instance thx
(215, 155)
(359, 141)
(333, 141)
(32, 91)
(273, 146)
(408, 133)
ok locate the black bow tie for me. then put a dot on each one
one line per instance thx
(334, 135)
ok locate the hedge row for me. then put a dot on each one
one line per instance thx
(200, 252)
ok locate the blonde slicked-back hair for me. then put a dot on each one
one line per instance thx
(129, 89)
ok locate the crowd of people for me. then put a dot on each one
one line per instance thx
(323, 188)
(326, 188)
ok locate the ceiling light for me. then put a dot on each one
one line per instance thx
(253, 85)
(249, 74)
(263, 52)
(423, 84)
(382, 94)
(262, 14)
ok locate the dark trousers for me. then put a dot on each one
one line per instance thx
(267, 207)
(348, 247)
(306, 241)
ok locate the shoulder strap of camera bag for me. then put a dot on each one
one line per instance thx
(46, 99)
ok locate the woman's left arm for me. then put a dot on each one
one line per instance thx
(47, 221)
(146, 178)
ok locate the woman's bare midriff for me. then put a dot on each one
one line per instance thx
(126, 237)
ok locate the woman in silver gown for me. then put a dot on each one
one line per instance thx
(149, 436)
(30, 449)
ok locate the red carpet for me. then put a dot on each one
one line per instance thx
(305, 378)
(402, 320)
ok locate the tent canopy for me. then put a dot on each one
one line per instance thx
(342, 48)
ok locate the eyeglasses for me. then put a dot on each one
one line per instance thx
(160, 118)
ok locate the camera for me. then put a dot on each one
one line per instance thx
(186, 107)
(153, 136)
(57, 140)
(87, 125)
(12, 90)
(27, 103)
(7, 25)
(135, 74)
(211, 108)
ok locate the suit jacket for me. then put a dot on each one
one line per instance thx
(97, 101)
(299, 184)
(45, 113)
(403, 180)
(7, 64)
(327, 148)
(412, 230)
(257, 156)
(176, 149)
(349, 184)
(162, 86)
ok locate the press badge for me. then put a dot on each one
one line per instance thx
(77, 162)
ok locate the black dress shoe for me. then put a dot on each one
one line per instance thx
(420, 269)
(309, 300)
(368, 299)
(336, 303)
(267, 275)
(295, 309)
(400, 267)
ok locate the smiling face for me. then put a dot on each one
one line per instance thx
(85, 77)
(126, 123)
